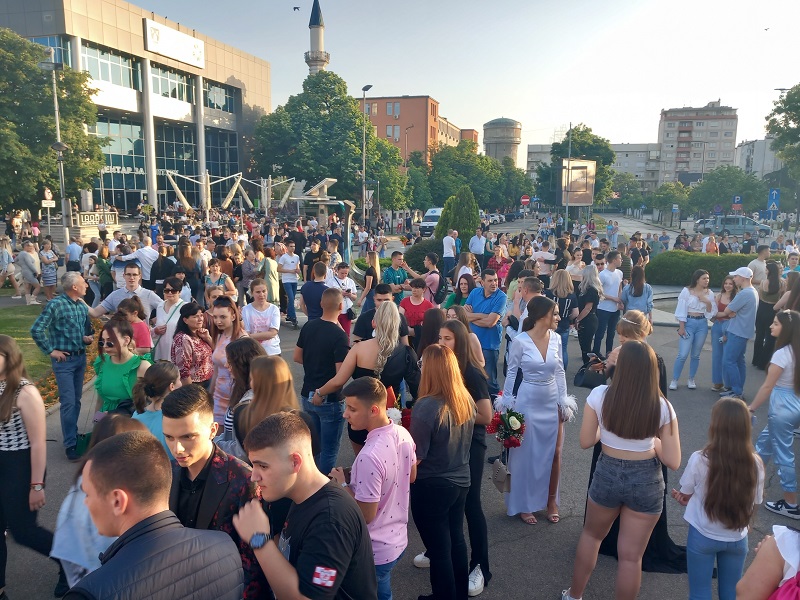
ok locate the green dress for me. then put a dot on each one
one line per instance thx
(114, 382)
(451, 300)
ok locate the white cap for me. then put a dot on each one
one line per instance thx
(745, 272)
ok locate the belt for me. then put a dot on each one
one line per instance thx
(695, 316)
(551, 380)
(73, 352)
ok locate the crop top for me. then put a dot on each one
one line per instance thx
(595, 400)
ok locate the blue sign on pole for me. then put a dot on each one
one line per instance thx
(718, 209)
(774, 203)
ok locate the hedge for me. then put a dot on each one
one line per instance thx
(416, 254)
(676, 266)
(383, 262)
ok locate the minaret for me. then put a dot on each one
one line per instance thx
(317, 59)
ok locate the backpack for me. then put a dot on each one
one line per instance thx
(442, 291)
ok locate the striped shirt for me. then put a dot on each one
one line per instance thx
(61, 325)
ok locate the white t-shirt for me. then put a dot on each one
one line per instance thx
(788, 542)
(448, 247)
(290, 263)
(343, 284)
(544, 268)
(759, 269)
(610, 281)
(784, 358)
(256, 321)
(694, 481)
(595, 400)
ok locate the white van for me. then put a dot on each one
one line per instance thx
(429, 221)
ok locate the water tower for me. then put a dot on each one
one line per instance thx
(501, 138)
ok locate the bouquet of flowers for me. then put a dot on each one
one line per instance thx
(508, 427)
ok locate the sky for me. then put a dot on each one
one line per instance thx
(611, 64)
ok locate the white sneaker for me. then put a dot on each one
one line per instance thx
(17, 297)
(691, 385)
(475, 582)
(673, 385)
(421, 561)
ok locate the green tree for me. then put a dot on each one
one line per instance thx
(460, 213)
(317, 134)
(453, 167)
(27, 126)
(515, 183)
(783, 123)
(668, 194)
(626, 190)
(586, 146)
(417, 188)
(722, 184)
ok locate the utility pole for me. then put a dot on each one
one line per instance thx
(569, 173)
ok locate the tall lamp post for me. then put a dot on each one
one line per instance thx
(364, 91)
(59, 146)
(407, 128)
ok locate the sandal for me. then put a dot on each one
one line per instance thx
(553, 517)
(528, 518)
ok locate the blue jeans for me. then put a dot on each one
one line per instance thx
(449, 263)
(95, 285)
(564, 339)
(733, 367)
(369, 302)
(328, 419)
(606, 325)
(69, 379)
(491, 357)
(702, 553)
(696, 333)
(291, 292)
(718, 329)
(384, 575)
(777, 439)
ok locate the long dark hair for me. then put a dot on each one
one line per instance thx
(538, 307)
(463, 349)
(637, 280)
(470, 286)
(432, 321)
(794, 297)
(239, 354)
(790, 336)
(695, 277)
(514, 270)
(732, 465)
(773, 277)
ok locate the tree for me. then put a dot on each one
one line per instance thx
(417, 188)
(626, 190)
(460, 213)
(516, 183)
(585, 146)
(27, 126)
(722, 184)
(669, 194)
(317, 134)
(453, 167)
(783, 123)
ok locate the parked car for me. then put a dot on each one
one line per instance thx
(739, 225)
(495, 219)
(511, 216)
(702, 224)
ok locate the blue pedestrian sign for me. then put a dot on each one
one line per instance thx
(774, 202)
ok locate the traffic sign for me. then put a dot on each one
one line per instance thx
(775, 196)
(525, 200)
(48, 203)
(737, 200)
(718, 209)
(675, 208)
(48, 195)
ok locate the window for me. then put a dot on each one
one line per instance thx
(683, 155)
(713, 124)
(176, 150)
(712, 155)
(640, 165)
(105, 65)
(60, 45)
(669, 135)
(171, 84)
(713, 134)
(671, 124)
(683, 144)
(697, 144)
(729, 123)
(640, 155)
(712, 144)
(388, 131)
(397, 132)
(727, 144)
(697, 134)
(726, 155)
(219, 96)
(124, 158)
(695, 165)
(389, 106)
(396, 109)
(222, 157)
(697, 154)
(699, 123)
(367, 109)
(684, 134)
(727, 134)
(670, 155)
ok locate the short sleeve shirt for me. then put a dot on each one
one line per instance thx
(256, 321)
(395, 277)
(489, 337)
(784, 358)
(745, 305)
(324, 344)
(289, 263)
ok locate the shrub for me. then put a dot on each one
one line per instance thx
(460, 212)
(676, 266)
(415, 254)
(362, 263)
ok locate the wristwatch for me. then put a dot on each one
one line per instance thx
(37, 487)
(258, 540)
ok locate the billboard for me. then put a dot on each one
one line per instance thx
(168, 42)
(577, 182)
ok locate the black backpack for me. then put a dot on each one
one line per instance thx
(443, 290)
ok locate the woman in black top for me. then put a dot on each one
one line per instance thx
(371, 279)
(455, 336)
(591, 291)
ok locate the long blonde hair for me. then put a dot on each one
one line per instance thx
(15, 372)
(387, 333)
(561, 284)
(372, 261)
(273, 391)
(442, 379)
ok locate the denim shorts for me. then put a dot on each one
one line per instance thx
(637, 484)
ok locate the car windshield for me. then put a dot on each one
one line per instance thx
(432, 219)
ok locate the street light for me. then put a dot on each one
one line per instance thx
(364, 91)
(59, 146)
(407, 128)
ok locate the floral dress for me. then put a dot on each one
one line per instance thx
(49, 271)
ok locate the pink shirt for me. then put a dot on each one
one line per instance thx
(381, 473)
(141, 335)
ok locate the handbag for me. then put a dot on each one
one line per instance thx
(501, 478)
(350, 314)
(589, 378)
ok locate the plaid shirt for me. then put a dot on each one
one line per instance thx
(62, 325)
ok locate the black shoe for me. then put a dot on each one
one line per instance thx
(72, 456)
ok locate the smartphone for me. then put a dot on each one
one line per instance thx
(311, 397)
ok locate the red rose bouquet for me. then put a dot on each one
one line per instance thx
(508, 427)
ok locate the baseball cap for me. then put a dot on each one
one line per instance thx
(745, 272)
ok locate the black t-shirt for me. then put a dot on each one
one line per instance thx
(308, 261)
(591, 295)
(364, 329)
(586, 255)
(324, 344)
(326, 540)
(565, 306)
(747, 246)
(370, 272)
(312, 297)
(478, 387)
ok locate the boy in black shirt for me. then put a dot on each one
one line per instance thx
(365, 330)
(324, 550)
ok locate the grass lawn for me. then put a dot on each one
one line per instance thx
(16, 322)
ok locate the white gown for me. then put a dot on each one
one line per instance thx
(542, 384)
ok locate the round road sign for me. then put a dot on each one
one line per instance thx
(525, 200)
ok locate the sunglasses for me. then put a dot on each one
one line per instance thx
(170, 291)
(102, 344)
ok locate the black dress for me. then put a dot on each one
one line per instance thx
(662, 555)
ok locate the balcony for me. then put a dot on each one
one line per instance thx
(317, 56)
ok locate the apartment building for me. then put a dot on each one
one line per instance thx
(757, 157)
(643, 161)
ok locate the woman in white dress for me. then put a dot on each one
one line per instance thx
(537, 352)
(167, 317)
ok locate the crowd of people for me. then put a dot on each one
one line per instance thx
(201, 439)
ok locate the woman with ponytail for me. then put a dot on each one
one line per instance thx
(149, 393)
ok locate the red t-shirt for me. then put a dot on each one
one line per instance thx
(415, 312)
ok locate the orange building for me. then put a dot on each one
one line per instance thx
(413, 124)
